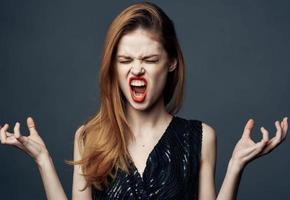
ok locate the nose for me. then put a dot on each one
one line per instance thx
(137, 69)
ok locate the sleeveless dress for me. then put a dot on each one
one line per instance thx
(171, 171)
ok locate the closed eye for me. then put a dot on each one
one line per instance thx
(125, 61)
(151, 61)
(146, 61)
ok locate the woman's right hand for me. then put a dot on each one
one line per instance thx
(33, 145)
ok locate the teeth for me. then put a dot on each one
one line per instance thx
(137, 83)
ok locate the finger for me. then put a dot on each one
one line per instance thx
(3, 133)
(248, 128)
(278, 136)
(259, 146)
(265, 134)
(31, 126)
(258, 150)
(284, 127)
(17, 130)
(275, 141)
(271, 144)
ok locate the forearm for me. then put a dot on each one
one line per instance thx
(229, 188)
(51, 182)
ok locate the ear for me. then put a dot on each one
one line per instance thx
(172, 65)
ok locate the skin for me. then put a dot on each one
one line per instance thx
(147, 121)
(138, 50)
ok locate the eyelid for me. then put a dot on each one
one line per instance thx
(124, 61)
(145, 60)
(152, 61)
(126, 58)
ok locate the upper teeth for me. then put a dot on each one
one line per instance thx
(137, 83)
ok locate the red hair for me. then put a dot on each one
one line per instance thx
(103, 142)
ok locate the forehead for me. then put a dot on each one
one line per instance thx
(139, 43)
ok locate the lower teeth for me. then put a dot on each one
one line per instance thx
(138, 94)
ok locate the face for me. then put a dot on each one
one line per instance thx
(142, 67)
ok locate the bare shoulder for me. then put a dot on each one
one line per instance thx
(208, 149)
(208, 132)
(79, 180)
(208, 162)
(77, 148)
(79, 132)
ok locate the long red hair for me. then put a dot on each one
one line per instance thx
(103, 141)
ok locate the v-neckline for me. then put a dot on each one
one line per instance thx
(154, 149)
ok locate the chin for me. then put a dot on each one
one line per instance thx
(147, 104)
(139, 106)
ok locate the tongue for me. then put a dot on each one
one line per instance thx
(138, 89)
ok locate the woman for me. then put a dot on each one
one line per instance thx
(135, 147)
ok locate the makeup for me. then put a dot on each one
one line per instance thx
(138, 87)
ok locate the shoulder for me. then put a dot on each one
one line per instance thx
(208, 149)
(208, 132)
(78, 132)
(77, 137)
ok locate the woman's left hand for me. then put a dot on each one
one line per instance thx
(247, 150)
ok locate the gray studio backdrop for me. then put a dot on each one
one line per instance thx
(237, 67)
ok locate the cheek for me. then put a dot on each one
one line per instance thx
(121, 80)
(159, 81)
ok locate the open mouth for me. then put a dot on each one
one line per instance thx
(138, 89)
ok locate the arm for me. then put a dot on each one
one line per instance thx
(231, 181)
(207, 170)
(52, 185)
(229, 188)
(245, 151)
(34, 146)
(78, 180)
(207, 164)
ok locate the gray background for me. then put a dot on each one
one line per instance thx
(237, 67)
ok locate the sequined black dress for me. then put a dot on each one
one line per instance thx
(171, 170)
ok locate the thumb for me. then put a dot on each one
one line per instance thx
(31, 126)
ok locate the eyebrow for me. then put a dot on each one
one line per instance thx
(145, 57)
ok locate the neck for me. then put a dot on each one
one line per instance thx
(140, 121)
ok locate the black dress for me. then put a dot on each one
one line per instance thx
(171, 170)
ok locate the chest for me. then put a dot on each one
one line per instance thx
(140, 151)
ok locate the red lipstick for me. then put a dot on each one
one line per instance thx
(138, 93)
(137, 78)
